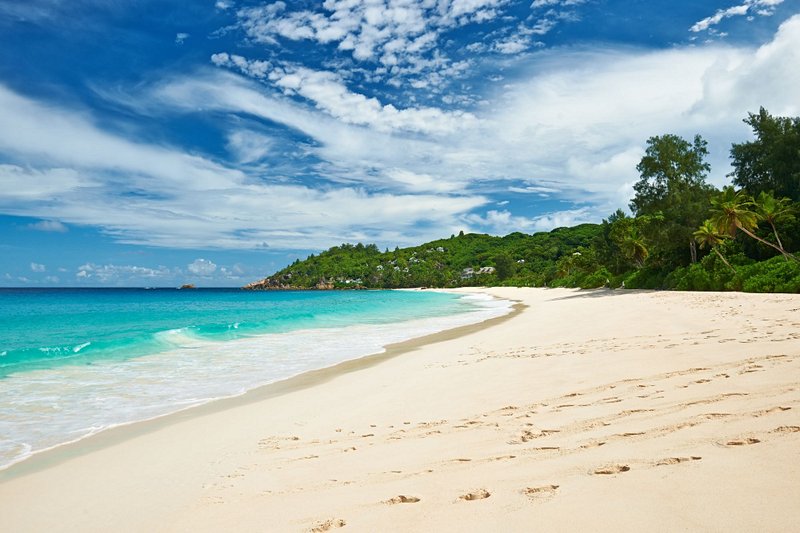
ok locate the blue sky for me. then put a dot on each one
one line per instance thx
(153, 143)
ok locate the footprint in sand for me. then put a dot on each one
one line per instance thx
(480, 494)
(327, 525)
(786, 429)
(612, 469)
(677, 460)
(742, 442)
(540, 492)
(402, 499)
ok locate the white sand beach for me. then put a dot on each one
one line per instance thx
(582, 411)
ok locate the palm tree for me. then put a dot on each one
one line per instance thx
(732, 210)
(634, 247)
(773, 211)
(708, 236)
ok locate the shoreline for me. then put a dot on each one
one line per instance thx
(581, 411)
(46, 458)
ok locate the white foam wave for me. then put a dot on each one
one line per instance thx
(47, 408)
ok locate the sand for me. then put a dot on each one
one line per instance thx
(584, 411)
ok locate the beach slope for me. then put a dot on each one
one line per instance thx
(584, 410)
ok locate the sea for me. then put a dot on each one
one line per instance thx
(74, 362)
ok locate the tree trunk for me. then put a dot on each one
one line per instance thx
(780, 244)
(693, 251)
(759, 239)
(724, 260)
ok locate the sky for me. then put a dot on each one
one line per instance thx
(156, 143)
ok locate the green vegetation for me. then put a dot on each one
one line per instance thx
(684, 234)
(463, 260)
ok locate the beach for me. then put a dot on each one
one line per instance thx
(581, 410)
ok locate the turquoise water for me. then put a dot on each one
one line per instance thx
(50, 327)
(76, 361)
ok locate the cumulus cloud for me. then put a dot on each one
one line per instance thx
(181, 37)
(255, 68)
(120, 274)
(758, 7)
(400, 35)
(37, 267)
(202, 267)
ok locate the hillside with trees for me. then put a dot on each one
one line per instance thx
(683, 233)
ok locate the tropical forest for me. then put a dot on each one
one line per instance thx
(682, 233)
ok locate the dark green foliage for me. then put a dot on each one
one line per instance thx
(671, 166)
(516, 259)
(772, 275)
(771, 162)
(504, 265)
(672, 184)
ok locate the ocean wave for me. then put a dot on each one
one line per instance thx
(51, 406)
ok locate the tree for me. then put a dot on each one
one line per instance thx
(707, 236)
(672, 182)
(608, 250)
(774, 211)
(670, 165)
(626, 234)
(504, 266)
(732, 210)
(772, 161)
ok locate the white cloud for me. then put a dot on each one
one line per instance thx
(181, 37)
(574, 121)
(329, 93)
(255, 68)
(223, 4)
(120, 274)
(38, 267)
(502, 222)
(164, 206)
(759, 7)
(534, 189)
(398, 34)
(551, 3)
(49, 225)
(202, 267)
(249, 146)
(66, 141)
(26, 184)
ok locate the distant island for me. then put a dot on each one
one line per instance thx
(188, 286)
(684, 233)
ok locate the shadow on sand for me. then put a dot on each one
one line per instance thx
(604, 293)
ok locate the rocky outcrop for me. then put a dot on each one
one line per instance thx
(323, 285)
(284, 284)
